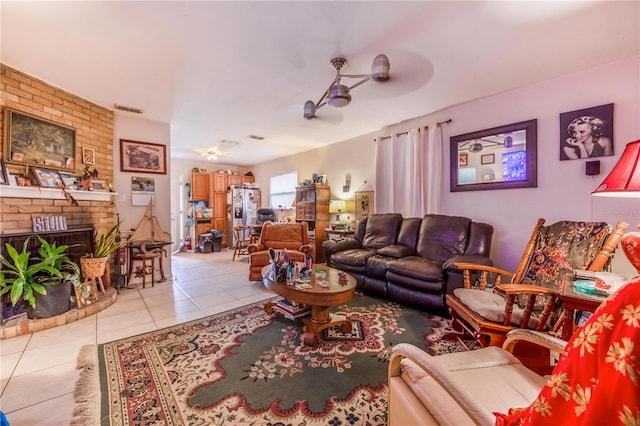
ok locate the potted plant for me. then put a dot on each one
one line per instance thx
(44, 283)
(93, 264)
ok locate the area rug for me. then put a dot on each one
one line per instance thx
(244, 367)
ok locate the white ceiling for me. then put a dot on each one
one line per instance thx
(224, 70)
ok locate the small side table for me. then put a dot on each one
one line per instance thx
(342, 233)
(576, 301)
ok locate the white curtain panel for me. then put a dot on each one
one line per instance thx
(409, 172)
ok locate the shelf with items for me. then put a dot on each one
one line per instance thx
(7, 191)
(312, 206)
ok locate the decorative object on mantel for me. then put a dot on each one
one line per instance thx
(49, 223)
(337, 95)
(624, 181)
(33, 140)
(4, 176)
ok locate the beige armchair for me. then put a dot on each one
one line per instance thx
(462, 388)
(291, 236)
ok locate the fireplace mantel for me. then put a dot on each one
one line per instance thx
(53, 193)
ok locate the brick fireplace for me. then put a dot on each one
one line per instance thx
(94, 130)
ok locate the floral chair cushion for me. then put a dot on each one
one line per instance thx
(563, 247)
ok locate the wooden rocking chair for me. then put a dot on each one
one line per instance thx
(528, 298)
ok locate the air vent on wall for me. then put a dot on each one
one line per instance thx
(128, 109)
(256, 137)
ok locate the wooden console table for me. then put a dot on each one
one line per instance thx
(573, 301)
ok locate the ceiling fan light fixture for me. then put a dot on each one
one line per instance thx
(309, 110)
(380, 68)
(338, 95)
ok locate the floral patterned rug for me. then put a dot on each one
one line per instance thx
(246, 367)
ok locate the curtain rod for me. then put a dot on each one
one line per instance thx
(407, 132)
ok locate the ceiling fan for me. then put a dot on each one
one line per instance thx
(338, 95)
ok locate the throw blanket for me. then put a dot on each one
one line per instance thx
(596, 379)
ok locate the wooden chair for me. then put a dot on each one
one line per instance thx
(148, 257)
(241, 241)
(528, 298)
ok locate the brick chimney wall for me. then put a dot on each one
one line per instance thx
(94, 129)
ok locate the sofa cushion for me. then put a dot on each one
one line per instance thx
(417, 267)
(396, 251)
(381, 230)
(355, 257)
(442, 236)
(490, 306)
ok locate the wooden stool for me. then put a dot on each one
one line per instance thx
(148, 259)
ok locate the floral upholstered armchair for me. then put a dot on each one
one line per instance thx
(528, 298)
(294, 237)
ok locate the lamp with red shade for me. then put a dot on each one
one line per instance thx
(624, 181)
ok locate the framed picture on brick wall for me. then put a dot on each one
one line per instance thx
(35, 141)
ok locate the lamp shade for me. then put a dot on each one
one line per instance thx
(337, 206)
(624, 179)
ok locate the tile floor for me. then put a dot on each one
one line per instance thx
(38, 370)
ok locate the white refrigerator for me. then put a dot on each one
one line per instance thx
(244, 208)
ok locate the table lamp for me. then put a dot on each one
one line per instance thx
(624, 181)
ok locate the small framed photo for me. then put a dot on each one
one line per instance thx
(99, 185)
(463, 160)
(47, 178)
(4, 177)
(322, 180)
(88, 156)
(488, 159)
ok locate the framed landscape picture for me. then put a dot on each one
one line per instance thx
(34, 141)
(143, 157)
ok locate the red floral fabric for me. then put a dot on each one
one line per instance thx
(596, 379)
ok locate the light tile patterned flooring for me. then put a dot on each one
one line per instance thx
(38, 370)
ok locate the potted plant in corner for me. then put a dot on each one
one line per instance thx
(44, 283)
(93, 264)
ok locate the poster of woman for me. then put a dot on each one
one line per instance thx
(586, 133)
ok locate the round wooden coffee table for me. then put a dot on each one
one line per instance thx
(319, 298)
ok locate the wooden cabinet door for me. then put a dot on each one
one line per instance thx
(233, 180)
(220, 205)
(199, 186)
(248, 179)
(221, 224)
(220, 182)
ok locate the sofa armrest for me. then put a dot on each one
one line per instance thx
(253, 248)
(541, 339)
(474, 259)
(331, 247)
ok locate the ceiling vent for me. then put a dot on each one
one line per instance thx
(256, 137)
(128, 109)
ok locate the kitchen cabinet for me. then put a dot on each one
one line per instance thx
(220, 214)
(199, 186)
(219, 182)
(312, 206)
(248, 179)
(233, 180)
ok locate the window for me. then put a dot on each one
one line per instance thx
(283, 190)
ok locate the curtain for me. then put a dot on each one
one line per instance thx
(409, 172)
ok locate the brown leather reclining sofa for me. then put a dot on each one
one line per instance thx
(411, 260)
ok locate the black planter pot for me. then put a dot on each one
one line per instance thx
(55, 302)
